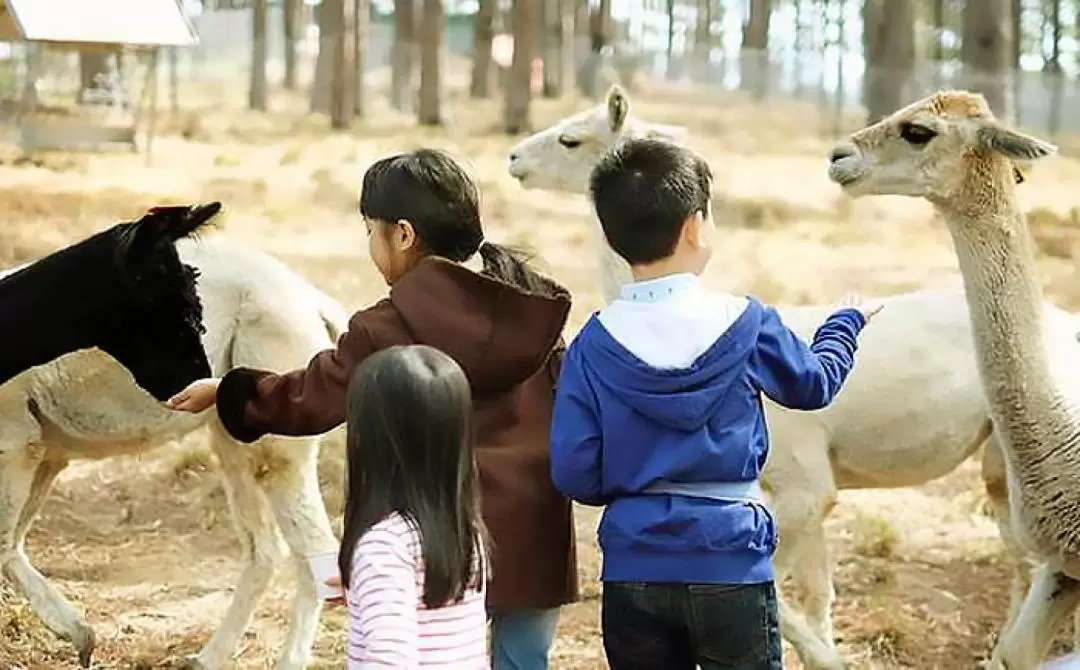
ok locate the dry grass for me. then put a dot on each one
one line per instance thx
(920, 579)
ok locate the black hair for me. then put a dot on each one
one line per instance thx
(410, 450)
(431, 191)
(643, 190)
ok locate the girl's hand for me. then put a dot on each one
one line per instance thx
(335, 582)
(868, 309)
(198, 396)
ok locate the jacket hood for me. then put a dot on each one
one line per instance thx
(500, 334)
(682, 399)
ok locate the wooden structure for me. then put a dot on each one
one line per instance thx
(117, 28)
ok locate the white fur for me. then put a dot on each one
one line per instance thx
(912, 410)
(258, 313)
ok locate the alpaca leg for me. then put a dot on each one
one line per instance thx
(1051, 598)
(259, 541)
(794, 627)
(799, 475)
(812, 647)
(995, 481)
(44, 478)
(815, 577)
(298, 506)
(25, 479)
(1076, 630)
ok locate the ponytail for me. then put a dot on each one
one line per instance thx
(513, 265)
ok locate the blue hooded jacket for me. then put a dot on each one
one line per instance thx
(621, 426)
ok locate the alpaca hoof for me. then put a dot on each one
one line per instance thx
(832, 662)
(85, 643)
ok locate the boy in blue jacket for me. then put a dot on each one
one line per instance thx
(658, 417)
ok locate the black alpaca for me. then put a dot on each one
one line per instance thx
(123, 290)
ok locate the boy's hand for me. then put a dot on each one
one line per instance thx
(868, 309)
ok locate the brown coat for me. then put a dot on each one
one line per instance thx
(509, 343)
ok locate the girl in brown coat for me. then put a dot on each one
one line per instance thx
(503, 326)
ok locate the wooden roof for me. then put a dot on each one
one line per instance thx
(113, 22)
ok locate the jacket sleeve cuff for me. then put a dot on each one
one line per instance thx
(237, 388)
(859, 321)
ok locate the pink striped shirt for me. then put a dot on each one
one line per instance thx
(389, 626)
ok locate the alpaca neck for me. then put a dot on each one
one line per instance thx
(614, 271)
(996, 258)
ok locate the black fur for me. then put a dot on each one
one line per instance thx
(123, 290)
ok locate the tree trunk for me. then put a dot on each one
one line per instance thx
(599, 34)
(257, 90)
(93, 74)
(754, 54)
(1055, 35)
(1052, 69)
(567, 48)
(526, 25)
(937, 45)
(669, 45)
(889, 43)
(483, 33)
(430, 113)
(703, 38)
(401, 56)
(1016, 16)
(987, 53)
(290, 19)
(320, 85)
(937, 51)
(174, 79)
(553, 48)
(343, 80)
(362, 14)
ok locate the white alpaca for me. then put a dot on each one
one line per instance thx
(85, 406)
(949, 150)
(912, 410)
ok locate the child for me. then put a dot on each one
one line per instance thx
(411, 553)
(658, 417)
(503, 326)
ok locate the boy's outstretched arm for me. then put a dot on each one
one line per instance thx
(803, 377)
(576, 439)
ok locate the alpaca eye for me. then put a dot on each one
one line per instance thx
(569, 142)
(913, 133)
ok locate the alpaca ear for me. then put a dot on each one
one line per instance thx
(1013, 144)
(169, 222)
(618, 107)
(193, 219)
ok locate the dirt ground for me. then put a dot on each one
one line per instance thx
(144, 545)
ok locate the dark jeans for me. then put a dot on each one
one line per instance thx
(679, 626)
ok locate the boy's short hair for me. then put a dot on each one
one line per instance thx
(643, 190)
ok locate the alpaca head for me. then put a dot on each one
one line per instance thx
(561, 157)
(947, 148)
(156, 330)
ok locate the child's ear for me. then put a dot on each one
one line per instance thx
(694, 230)
(404, 236)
